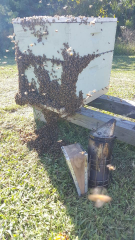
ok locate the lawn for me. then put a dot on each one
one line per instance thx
(38, 198)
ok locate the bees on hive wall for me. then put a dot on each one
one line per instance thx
(50, 93)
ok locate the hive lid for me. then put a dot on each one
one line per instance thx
(64, 19)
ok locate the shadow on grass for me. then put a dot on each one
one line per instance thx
(89, 222)
(124, 63)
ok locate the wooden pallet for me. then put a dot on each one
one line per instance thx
(91, 119)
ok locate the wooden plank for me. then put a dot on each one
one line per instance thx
(115, 105)
(124, 131)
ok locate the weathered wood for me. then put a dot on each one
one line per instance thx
(115, 105)
(124, 131)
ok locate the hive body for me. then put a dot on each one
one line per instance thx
(73, 56)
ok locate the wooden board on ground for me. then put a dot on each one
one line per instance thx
(115, 105)
(124, 130)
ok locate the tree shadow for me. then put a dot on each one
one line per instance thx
(124, 63)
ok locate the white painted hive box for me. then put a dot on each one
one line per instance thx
(83, 36)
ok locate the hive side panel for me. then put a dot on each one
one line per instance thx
(97, 38)
(96, 76)
(50, 44)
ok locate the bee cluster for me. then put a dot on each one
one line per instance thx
(49, 93)
(31, 24)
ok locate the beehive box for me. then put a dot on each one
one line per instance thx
(63, 62)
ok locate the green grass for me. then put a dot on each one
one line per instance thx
(124, 49)
(37, 196)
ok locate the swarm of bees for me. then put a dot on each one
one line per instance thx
(49, 93)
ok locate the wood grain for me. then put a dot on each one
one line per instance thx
(124, 130)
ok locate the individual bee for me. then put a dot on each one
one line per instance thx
(94, 91)
(56, 30)
(7, 50)
(5, 56)
(89, 95)
(98, 196)
(4, 62)
(92, 22)
(32, 44)
(65, 7)
(59, 141)
(83, 152)
(10, 36)
(110, 167)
